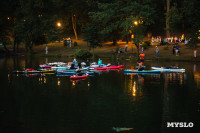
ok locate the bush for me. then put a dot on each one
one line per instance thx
(75, 44)
(147, 43)
(82, 54)
(166, 48)
(117, 49)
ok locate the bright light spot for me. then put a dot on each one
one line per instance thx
(59, 24)
(136, 23)
(134, 89)
(8, 18)
(45, 80)
(73, 83)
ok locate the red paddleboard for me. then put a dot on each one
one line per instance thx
(79, 77)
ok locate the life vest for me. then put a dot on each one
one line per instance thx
(142, 56)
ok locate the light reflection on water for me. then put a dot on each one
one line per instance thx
(108, 99)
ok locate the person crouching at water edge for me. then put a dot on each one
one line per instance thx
(140, 66)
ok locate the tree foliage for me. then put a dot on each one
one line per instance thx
(122, 18)
(33, 22)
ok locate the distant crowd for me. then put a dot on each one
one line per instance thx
(167, 40)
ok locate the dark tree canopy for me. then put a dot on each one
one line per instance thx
(33, 22)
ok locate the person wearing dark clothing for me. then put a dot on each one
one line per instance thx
(121, 50)
(117, 63)
(80, 73)
(72, 66)
(140, 69)
(173, 49)
(87, 63)
(79, 65)
(140, 66)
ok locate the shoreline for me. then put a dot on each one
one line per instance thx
(108, 51)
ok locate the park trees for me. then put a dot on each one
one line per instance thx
(74, 15)
(7, 9)
(183, 16)
(92, 36)
(26, 21)
(122, 18)
(191, 11)
(32, 20)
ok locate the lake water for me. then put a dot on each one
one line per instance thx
(107, 102)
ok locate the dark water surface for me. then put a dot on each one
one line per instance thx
(108, 102)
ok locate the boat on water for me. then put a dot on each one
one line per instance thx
(109, 67)
(72, 73)
(76, 77)
(143, 71)
(168, 69)
(30, 70)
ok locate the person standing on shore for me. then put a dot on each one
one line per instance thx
(46, 49)
(142, 49)
(175, 39)
(152, 40)
(173, 49)
(177, 50)
(195, 53)
(126, 47)
(157, 51)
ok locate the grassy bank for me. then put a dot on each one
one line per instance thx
(109, 51)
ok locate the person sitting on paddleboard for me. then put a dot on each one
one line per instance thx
(75, 62)
(87, 63)
(79, 65)
(100, 62)
(72, 66)
(140, 66)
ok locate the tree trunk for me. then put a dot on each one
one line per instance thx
(137, 45)
(167, 18)
(26, 46)
(93, 52)
(17, 47)
(14, 46)
(30, 47)
(114, 42)
(127, 39)
(74, 25)
(7, 50)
